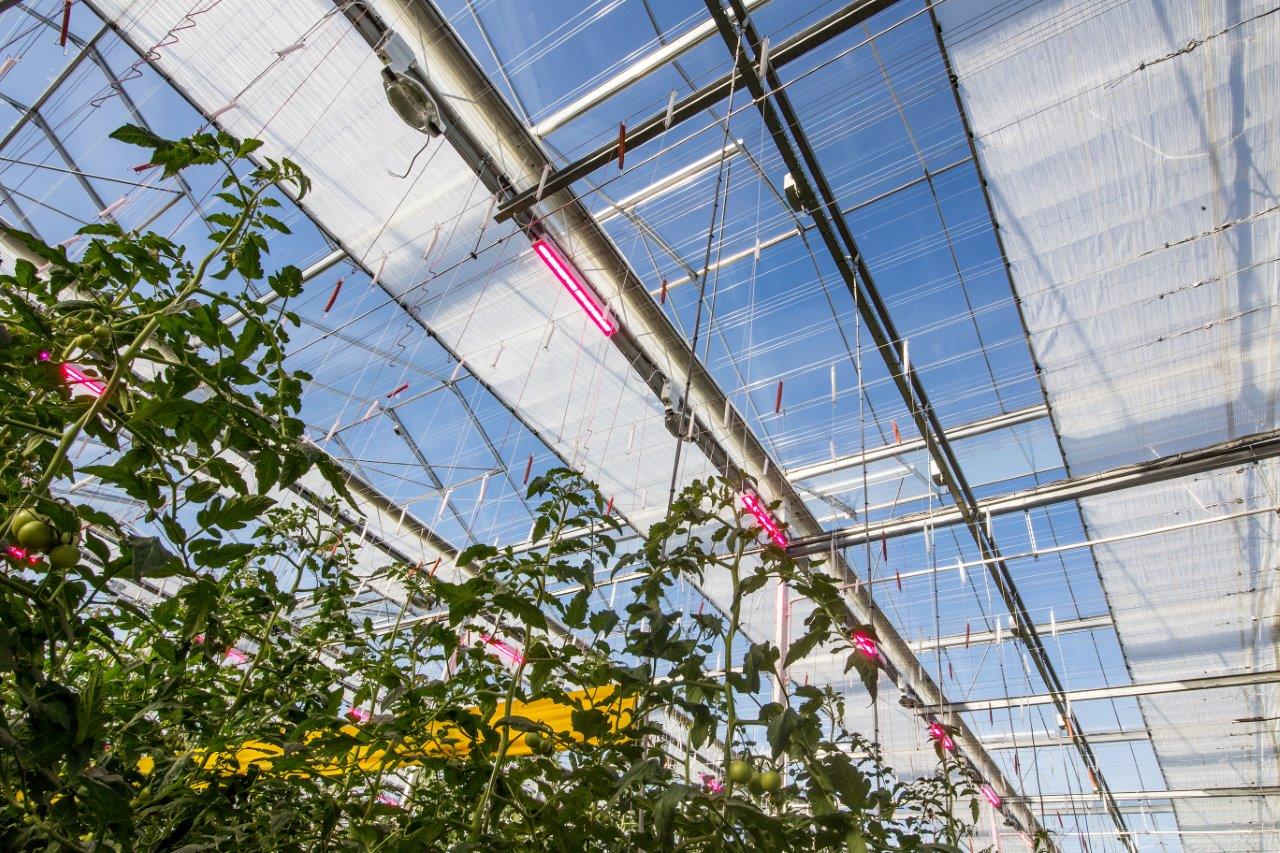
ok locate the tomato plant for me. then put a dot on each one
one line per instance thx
(185, 673)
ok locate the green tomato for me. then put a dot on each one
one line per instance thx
(740, 772)
(771, 781)
(64, 556)
(78, 343)
(534, 741)
(755, 786)
(37, 536)
(21, 518)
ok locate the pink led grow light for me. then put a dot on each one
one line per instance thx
(751, 503)
(568, 277)
(78, 379)
(938, 732)
(506, 650)
(991, 796)
(359, 715)
(864, 643)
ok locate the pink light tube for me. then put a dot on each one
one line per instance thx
(568, 277)
(506, 650)
(939, 734)
(751, 503)
(77, 378)
(991, 796)
(864, 643)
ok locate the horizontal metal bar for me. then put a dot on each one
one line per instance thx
(677, 179)
(1043, 740)
(1003, 420)
(633, 73)
(1177, 794)
(1068, 626)
(783, 236)
(1119, 691)
(1240, 451)
(651, 128)
(1247, 830)
(1074, 546)
(1090, 623)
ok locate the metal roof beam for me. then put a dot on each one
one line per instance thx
(95, 55)
(801, 228)
(774, 105)
(679, 178)
(1178, 794)
(633, 73)
(1004, 420)
(1239, 451)
(1027, 740)
(1119, 691)
(1066, 626)
(713, 93)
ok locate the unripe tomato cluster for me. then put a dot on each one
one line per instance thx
(742, 772)
(36, 534)
(539, 744)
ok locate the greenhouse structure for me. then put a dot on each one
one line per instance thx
(638, 425)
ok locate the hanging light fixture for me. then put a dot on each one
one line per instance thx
(504, 649)
(989, 793)
(752, 503)
(572, 282)
(78, 380)
(403, 78)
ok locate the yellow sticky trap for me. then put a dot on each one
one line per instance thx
(443, 739)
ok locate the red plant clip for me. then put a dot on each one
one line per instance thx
(333, 297)
(66, 23)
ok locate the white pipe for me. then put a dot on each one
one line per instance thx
(680, 178)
